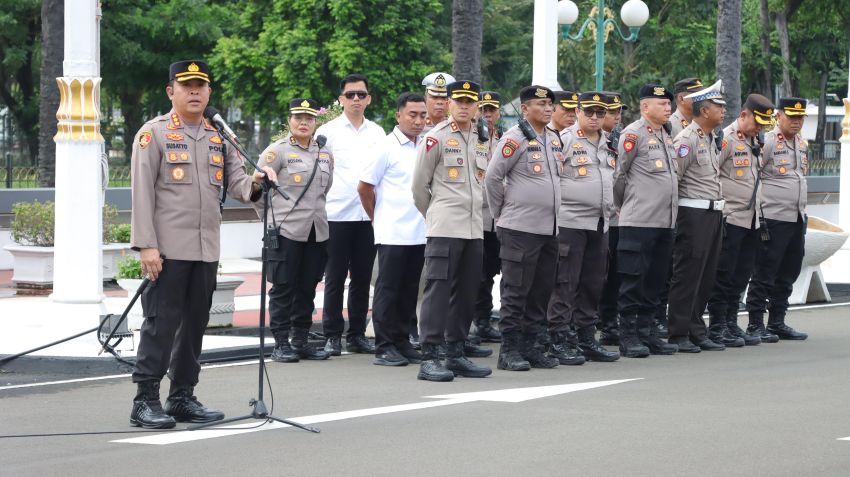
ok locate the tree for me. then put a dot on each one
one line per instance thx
(786, 10)
(467, 36)
(20, 30)
(506, 49)
(52, 52)
(728, 55)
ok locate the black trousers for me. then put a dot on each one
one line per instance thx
(582, 262)
(452, 276)
(529, 266)
(177, 309)
(294, 270)
(778, 265)
(396, 291)
(734, 268)
(492, 267)
(643, 258)
(351, 249)
(611, 288)
(699, 236)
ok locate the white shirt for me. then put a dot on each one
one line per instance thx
(352, 150)
(397, 220)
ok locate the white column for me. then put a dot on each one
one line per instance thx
(78, 268)
(844, 184)
(544, 65)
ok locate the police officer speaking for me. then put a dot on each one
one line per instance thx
(178, 170)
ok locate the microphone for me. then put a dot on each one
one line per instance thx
(214, 117)
(321, 141)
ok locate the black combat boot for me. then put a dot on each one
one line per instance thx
(534, 355)
(647, 334)
(564, 350)
(283, 352)
(147, 409)
(303, 348)
(776, 325)
(660, 326)
(735, 330)
(609, 335)
(756, 328)
(431, 368)
(718, 332)
(592, 350)
(630, 345)
(484, 329)
(474, 351)
(183, 406)
(510, 357)
(457, 363)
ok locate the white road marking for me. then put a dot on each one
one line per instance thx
(504, 395)
(843, 439)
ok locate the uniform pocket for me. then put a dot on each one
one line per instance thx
(511, 266)
(150, 300)
(437, 261)
(629, 257)
(563, 269)
(298, 174)
(454, 169)
(657, 163)
(178, 174)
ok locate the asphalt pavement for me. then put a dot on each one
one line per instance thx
(774, 409)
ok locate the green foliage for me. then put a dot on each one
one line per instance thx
(32, 223)
(129, 268)
(120, 233)
(110, 213)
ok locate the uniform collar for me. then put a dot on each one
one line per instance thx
(401, 137)
(292, 142)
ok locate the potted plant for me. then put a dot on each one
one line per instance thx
(32, 230)
(116, 246)
(223, 302)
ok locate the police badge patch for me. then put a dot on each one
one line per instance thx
(684, 150)
(430, 143)
(509, 148)
(144, 139)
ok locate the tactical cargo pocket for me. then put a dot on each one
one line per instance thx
(563, 269)
(437, 261)
(629, 257)
(511, 266)
(149, 300)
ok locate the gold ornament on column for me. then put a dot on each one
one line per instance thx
(845, 124)
(79, 110)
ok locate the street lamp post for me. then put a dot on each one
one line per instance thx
(600, 22)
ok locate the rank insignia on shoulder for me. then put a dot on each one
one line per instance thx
(628, 145)
(145, 139)
(579, 133)
(454, 126)
(215, 140)
(292, 140)
(684, 123)
(780, 136)
(509, 148)
(174, 137)
(175, 122)
(740, 135)
(430, 143)
(631, 136)
(684, 150)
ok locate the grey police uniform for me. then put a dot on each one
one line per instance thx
(699, 231)
(178, 171)
(523, 190)
(587, 201)
(447, 190)
(298, 255)
(678, 123)
(492, 264)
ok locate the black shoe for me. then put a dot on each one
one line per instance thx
(535, 356)
(510, 358)
(762, 333)
(658, 346)
(592, 349)
(721, 335)
(488, 334)
(460, 366)
(409, 353)
(565, 351)
(474, 351)
(359, 344)
(661, 329)
(390, 357)
(304, 349)
(735, 330)
(610, 337)
(631, 347)
(785, 332)
(283, 353)
(333, 346)
(184, 407)
(706, 344)
(684, 345)
(147, 409)
(431, 368)
(414, 341)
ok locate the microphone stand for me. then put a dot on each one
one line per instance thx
(259, 409)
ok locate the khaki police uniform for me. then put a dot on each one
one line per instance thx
(587, 201)
(447, 190)
(297, 259)
(678, 123)
(178, 171)
(699, 231)
(523, 190)
(492, 264)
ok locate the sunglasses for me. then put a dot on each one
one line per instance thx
(599, 113)
(359, 94)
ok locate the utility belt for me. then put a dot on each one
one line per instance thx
(704, 204)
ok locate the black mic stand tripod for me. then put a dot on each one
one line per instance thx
(259, 409)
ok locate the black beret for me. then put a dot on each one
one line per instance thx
(655, 91)
(535, 92)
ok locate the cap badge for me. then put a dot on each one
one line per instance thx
(596, 97)
(305, 104)
(798, 106)
(440, 80)
(466, 86)
(487, 96)
(193, 68)
(540, 93)
(658, 91)
(575, 97)
(769, 112)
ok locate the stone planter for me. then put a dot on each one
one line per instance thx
(823, 239)
(221, 311)
(34, 265)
